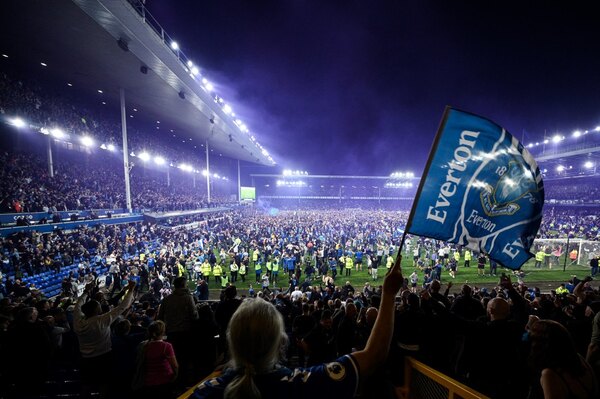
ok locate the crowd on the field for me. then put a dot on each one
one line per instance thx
(298, 261)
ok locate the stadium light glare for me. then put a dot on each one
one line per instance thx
(227, 109)
(557, 139)
(57, 133)
(576, 133)
(209, 87)
(216, 175)
(17, 122)
(190, 63)
(174, 45)
(132, 154)
(5, 55)
(560, 168)
(43, 64)
(144, 156)
(546, 141)
(159, 160)
(588, 165)
(195, 71)
(204, 172)
(530, 145)
(44, 131)
(87, 141)
(103, 146)
(100, 91)
(110, 147)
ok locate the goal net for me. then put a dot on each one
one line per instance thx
(561, 249)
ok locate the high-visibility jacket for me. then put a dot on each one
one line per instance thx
(468, 255)
(456, 256)
(257, 267)
(539, 256)
(243, 269)
(224, 281)
(217, 271)
(205, 268)
(561, 290)
(349, 262)
(233, 267)
(275, 266)
(269, 265)
(390, 262)
(255, 254)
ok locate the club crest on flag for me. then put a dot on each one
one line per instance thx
(514, 183)
(481, 189)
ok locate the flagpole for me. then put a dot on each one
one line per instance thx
(432, 152)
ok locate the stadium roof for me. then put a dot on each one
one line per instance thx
(77, 40)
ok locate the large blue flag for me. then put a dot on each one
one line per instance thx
(481, 189)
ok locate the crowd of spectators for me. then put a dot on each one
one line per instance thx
(82, 182)
(481, 337)
(40, 107)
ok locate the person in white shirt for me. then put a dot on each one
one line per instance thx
(296, 294)
(93, 332)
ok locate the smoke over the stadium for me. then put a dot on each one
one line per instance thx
(356, 87)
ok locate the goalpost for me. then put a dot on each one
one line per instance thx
(562, 247)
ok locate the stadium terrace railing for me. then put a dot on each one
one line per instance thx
(422, 381)
(143, 12)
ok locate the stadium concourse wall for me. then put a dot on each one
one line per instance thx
(11, 218)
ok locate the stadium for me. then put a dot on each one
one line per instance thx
(178, 222)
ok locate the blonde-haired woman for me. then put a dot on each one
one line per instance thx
(256, 337)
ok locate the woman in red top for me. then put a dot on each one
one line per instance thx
(160, 364)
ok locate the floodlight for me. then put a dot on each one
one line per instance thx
(57, 133)
(204, 172)
(174, 45)
(576, 133)
(556, 139)
(560, 168)
(159, 160)
(546, 141)
(103, 146)
(190, 63)
(17, 122)
(195, 71)
(110, 147)
(144, 156)
(87, 141)
(589, 164)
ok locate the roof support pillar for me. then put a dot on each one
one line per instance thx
(126, 166)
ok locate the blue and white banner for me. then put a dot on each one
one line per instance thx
(481, 189)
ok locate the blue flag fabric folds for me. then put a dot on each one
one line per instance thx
(481, 189)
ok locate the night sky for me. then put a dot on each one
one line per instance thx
(359, 87)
